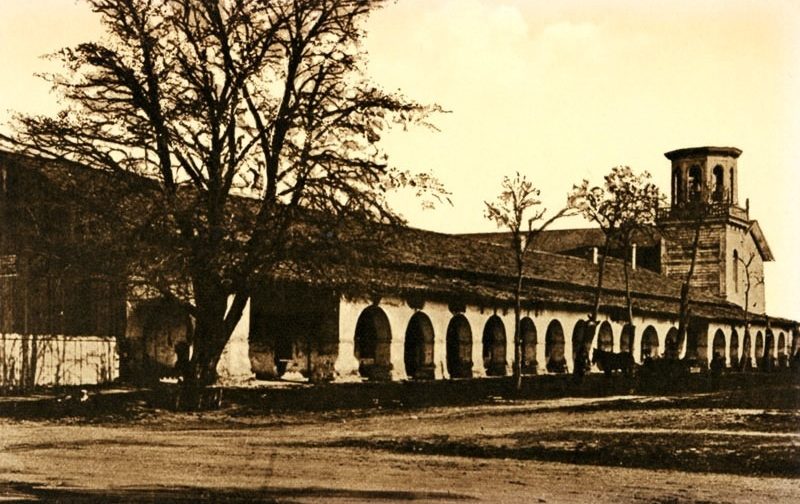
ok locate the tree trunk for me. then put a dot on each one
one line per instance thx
(599, 290)
(684, 313)
(746, 337)
(628, 299)
(591, 326)
(208, 342)
(518, 350)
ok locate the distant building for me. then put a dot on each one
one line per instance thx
(441, 305)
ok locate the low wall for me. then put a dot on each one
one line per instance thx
(55, 360)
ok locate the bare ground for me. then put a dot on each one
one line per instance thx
(717, 447)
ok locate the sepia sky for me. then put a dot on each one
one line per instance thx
(559, 91)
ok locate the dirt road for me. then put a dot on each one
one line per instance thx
(562, 450)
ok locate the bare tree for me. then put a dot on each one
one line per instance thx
(751, 279)
(517, 210)
(696, 211)
(214, 99)
(626, 204)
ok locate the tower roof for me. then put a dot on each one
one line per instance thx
(703, 151)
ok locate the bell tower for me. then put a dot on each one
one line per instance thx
(731, 247)
(704, 174)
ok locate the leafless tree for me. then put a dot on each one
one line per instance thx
(517, 210)
(213, 100)
(751, 280)
(626, 204)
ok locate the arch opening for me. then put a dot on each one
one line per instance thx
(529, 341)
(718, 345)
(759, 348)
(769, 350)
(554, 348)
(783, 359)
(671, 349)
(373, 340)
(745, 361)
(719, 184)
(733, 348)
(695, 184)
(605, 337)
(580, 337)
(626, 338)
(418, 348)
(459, 347)
(677, 186)
(494, 347)
(650, 346)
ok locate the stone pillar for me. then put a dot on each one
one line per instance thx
(346, 365)
(234, 367)
(636, 343)
(476, 321)
(440, 318)
(541, 333)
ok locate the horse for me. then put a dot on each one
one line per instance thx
(609, 361)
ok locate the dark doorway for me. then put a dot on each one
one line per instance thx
(373, 344)
(650, 346)
(605, 337)
(459, 347)
(554, 348)
(529, 340)
(418, 355)
(494, 347)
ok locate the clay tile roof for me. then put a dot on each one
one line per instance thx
(563, 240)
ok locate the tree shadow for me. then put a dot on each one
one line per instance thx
(16, 492)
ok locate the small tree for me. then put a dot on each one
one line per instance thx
(625, 205)
(750, 280)
(517, 210)
(695, 210)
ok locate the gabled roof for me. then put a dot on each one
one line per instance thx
(465, 253)
(480, 267)
(563, 240)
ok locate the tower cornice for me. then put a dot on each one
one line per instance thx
(703, 151)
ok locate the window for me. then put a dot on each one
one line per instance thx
(736, 271)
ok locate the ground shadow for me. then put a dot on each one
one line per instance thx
(14, 492)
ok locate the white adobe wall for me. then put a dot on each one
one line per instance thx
(399, 313)
(60, 360)
(234, 364)
(728, 330)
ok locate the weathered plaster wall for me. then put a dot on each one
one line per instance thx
(676, 256)
(234, 365)
(57, 359)
(735, 340)
(737, 238)
(399, 314)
